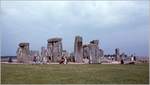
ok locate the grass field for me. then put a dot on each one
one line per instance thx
(75, 74)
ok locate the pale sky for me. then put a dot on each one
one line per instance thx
(116, 24)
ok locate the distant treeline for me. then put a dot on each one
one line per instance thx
(4, 57)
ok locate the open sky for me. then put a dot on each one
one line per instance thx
(116, 24)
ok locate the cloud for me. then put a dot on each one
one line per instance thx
(36, 21)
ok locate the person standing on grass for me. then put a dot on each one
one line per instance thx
(44, 60)
(34, 60)
(65, 60)
(62, 60)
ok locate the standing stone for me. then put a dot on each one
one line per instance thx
(78, 53)
(101, 53)
(43, 54)
(86, 52)
(94, 51)
(54, 47)
(117, 53)
(35, 56)
(72, 58)
(23, 53)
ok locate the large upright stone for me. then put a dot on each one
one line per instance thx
(86, 51)
(54, 47)
(23, 53)
(94, 51)
(78, 52)
(101, 53)
(43, 54)
(72, 58)
(117, 53)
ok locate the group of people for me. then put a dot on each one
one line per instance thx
(63, 60)
(47, 60)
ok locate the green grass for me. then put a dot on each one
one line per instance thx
(75, 74)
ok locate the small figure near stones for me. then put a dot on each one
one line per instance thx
(86, 61)
(65, 62)
(10, 60)
(34, 60)
(62, 60)
(44, 60)
(122, 62)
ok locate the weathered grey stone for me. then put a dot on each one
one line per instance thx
(86, 52)
(95, 52)
(94, 57)
(101, 53)
(78, 52)
(117, 53)
(54, 47)
(43, 54)
(72, 58)
(95, 42)
(35, 54)
(23, 53)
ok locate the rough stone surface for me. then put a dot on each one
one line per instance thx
(95, 42)
(86, 52)
(35, 53)
(43, 54)
(95, 52)
(54, 47)
(23, 53)
(94, 58)
(78, 52)
(101, 53)
(117, 53)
